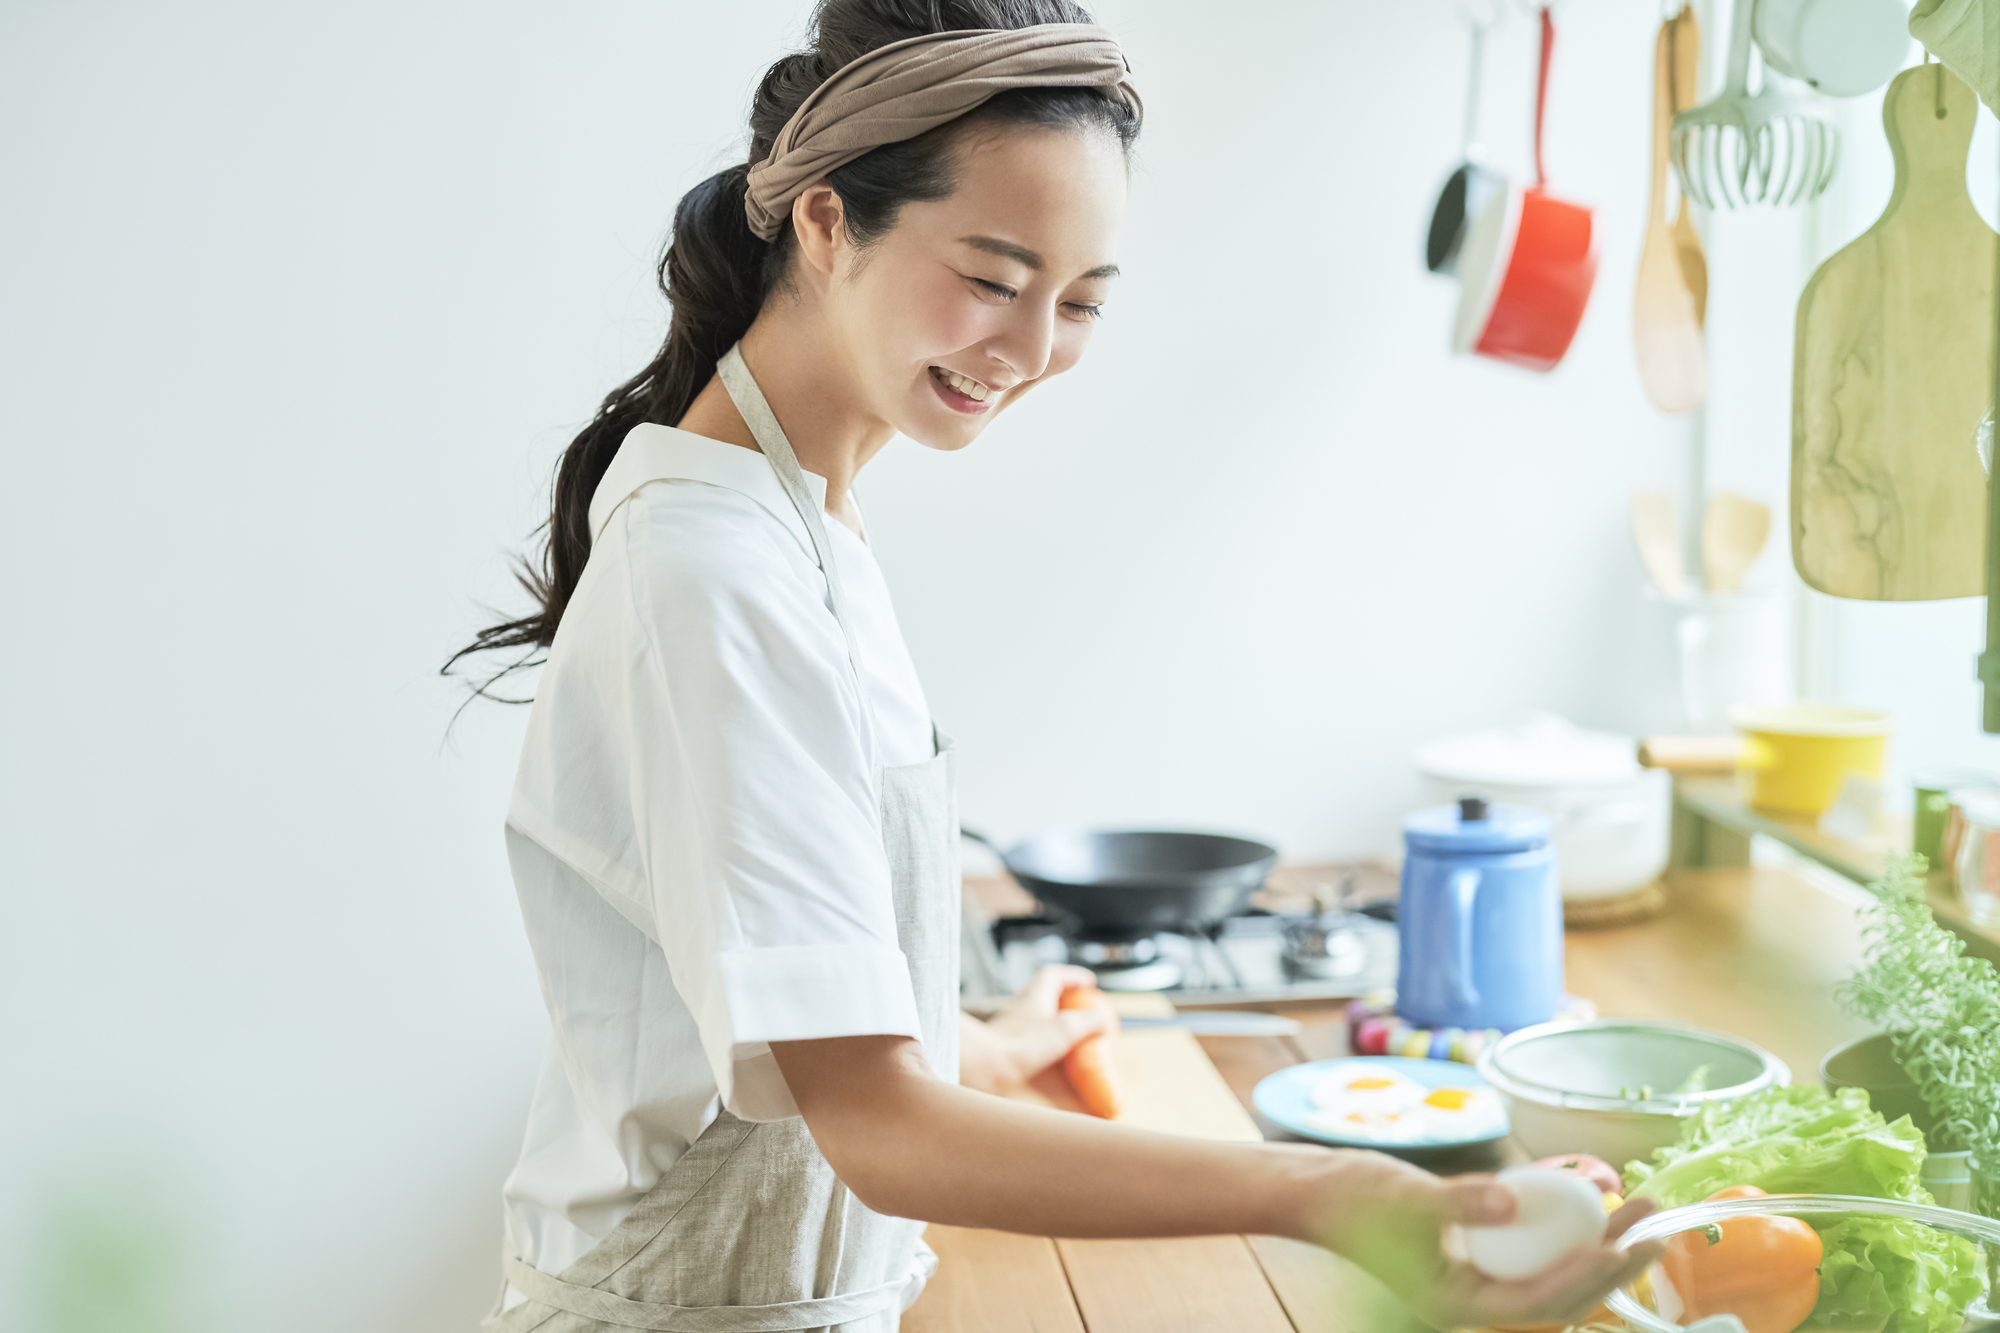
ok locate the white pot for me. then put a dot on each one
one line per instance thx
(1611, 817)
(1842, 47)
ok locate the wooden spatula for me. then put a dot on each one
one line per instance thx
(1666, 336)
(1657, 532)
(1733, 533)
(1891, 373)
(1684, 58)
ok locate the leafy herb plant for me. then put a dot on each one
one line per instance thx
(1940, 1008)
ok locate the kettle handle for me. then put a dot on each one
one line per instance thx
(1463, 896)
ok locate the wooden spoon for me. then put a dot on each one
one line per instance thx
(1733, 533)
(1666, 336)
(1684, 59)
(1657, 532)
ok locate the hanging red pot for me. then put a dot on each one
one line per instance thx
(1528, 262)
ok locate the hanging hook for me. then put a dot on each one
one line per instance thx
(1479, 15)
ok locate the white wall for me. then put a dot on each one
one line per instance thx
(299, 305)
(1270, 534)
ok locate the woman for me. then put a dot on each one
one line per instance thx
(733, 831)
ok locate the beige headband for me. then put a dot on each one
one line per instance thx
(898, 91)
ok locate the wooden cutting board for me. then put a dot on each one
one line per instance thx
(1168, 1081)
(1892, 373)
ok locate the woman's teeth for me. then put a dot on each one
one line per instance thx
(972, 389)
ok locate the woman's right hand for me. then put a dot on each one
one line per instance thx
(1389, 1218)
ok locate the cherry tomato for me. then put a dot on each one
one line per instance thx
(1593, 1169)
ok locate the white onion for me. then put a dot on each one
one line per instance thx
(1557, 1212)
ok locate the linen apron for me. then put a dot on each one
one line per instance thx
(750, 1231)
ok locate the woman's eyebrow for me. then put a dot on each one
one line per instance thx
(1025, 257)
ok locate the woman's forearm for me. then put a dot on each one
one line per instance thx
(909, 1144)
(979, 1062)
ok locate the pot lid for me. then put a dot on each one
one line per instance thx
(1545, 751)
(1474, 826)
(1980, 807)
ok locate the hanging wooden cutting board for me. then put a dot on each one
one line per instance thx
(1892, 373)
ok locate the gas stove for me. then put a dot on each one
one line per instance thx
(1256, 956)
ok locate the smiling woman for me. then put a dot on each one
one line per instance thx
(733, 830)
(728, 255)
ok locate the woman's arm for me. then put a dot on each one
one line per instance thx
(909, 1144)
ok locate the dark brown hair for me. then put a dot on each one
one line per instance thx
(716, 273)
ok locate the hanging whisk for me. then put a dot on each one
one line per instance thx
(1775, 148)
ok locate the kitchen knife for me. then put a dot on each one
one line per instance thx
(1220, 1024)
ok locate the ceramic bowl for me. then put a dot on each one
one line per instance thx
(1609, 1088)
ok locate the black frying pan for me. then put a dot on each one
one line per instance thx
(1137, 883)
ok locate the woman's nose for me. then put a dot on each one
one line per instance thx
(1026, 343)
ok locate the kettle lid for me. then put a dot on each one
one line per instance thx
(1473, 825)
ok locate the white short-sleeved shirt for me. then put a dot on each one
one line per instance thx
(693, 831)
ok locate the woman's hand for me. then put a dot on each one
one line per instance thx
(1022, 1047)
(1389, 1218)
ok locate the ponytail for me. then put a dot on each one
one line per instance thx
(715, 273)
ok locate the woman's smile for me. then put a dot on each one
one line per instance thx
(962, 393)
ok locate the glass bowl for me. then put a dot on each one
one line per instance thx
(1848, 1225)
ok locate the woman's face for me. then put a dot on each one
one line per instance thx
(969, 301)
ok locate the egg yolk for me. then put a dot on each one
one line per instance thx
(1450, 1099)
(1369, 1084)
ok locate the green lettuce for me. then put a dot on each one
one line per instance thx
(1876, 1267)
(1802, 1140)
(1796, 1140)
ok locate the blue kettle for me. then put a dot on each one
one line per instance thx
(1480, 918)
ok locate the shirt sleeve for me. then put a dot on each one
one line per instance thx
(754, 793)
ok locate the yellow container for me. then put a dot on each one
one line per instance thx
(1798, 756)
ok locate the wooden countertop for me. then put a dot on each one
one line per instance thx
(1755, 952)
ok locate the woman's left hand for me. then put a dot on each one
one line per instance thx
(1390, 1218)
(1021, 1048)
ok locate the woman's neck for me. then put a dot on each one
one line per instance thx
(811, 390)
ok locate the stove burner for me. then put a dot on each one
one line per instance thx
(1115, 953)
(1324, 946)
(1150, 962)
(1159, 974)
(1255, 955)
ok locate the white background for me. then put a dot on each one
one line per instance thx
(296, 309)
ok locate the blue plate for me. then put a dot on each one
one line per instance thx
(1285, 1099)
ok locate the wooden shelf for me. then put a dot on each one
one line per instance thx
(1713, 825)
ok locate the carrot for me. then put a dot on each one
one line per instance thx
(1090, 1067)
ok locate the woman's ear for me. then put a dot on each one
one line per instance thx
(819, 222)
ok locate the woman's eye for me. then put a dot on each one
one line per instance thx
(1004, 293)
(1087, 311)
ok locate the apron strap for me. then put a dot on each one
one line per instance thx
(770, 437)
(609, 1308)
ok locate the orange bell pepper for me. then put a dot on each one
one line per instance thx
(1089, 1063)
(1763, 1270)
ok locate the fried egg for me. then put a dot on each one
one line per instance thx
(1462, 1113)
(1367, 1088)
(1376, 1104)
(1369, 1103)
